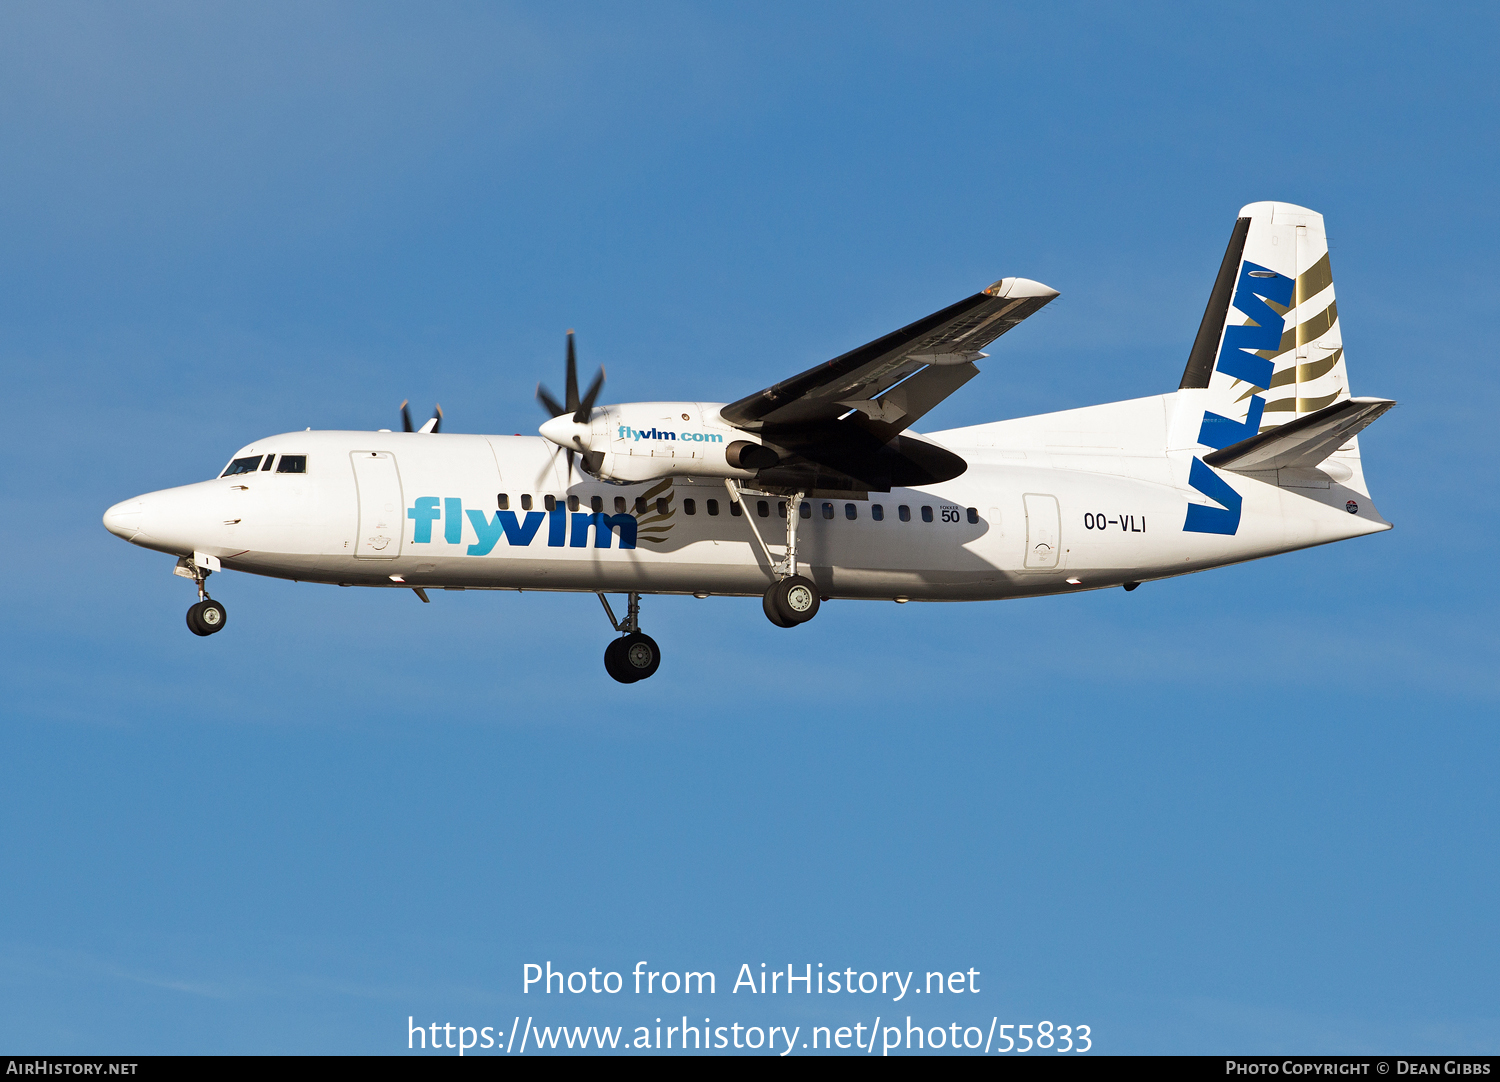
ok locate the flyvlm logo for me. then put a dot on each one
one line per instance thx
(1239, 356)
(625, 432)
(517, 532)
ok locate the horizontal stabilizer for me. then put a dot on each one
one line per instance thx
(1303, 443)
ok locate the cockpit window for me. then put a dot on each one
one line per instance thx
(292, 464)
(269, 460)
(242, 465)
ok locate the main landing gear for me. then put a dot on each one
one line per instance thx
(634, 655)
(208, 616)
(792, 599)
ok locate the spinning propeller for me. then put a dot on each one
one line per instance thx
(431, 426)
(569, 425)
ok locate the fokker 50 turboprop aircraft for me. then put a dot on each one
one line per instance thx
(817, 488)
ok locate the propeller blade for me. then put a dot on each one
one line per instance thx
(437, 418)
(580, 408)
(571, 452)
(572, 399)
(405, 419)
(542, 480)
(548, 402)
(586, 407)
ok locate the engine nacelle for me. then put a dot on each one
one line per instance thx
(642, 441)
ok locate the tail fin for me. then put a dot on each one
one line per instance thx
(1270, 349)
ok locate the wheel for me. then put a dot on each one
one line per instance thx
(798, 599)
(212, 616)
(192, 621)
(773, 611)
(639, 656)
(795, 600)
(615, 664)
(206, 618)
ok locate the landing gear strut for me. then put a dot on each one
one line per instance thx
(208, 616)
(634, 655)
(792, 599)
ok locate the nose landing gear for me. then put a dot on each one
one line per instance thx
(634, 655)
(208, 616)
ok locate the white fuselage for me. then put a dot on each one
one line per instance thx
(1069, 501)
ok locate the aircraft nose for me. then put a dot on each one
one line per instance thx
(124, 519)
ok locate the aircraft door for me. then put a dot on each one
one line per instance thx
(1043, 532)
(381, 525)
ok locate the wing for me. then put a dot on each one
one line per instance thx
(936, 353)
(844, 418)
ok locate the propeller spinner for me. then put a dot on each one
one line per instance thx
(569, 426)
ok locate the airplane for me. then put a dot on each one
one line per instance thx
(817, 488)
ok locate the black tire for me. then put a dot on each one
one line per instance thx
(796, 599)
(192, 621)
(773, 610)
(614, 662)
(212, 616)
(640, 656)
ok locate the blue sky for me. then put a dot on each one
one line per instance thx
(1248, 810)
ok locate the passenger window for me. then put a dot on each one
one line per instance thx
(762, 508)
(781, 508)
(269, 459)
(926, 513)
(828, 510)
(661, 505)
(735, 509)
(689, 507)
(851, 512)
(242, 465)
(503, 499)
(619, 505)
(640, 505)
(292, 464)
(572, 503)
(903, 513)
(877, 512)
(526, 502)
(713, 507)
(549, 502)
(973, 516)
(805, 510)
